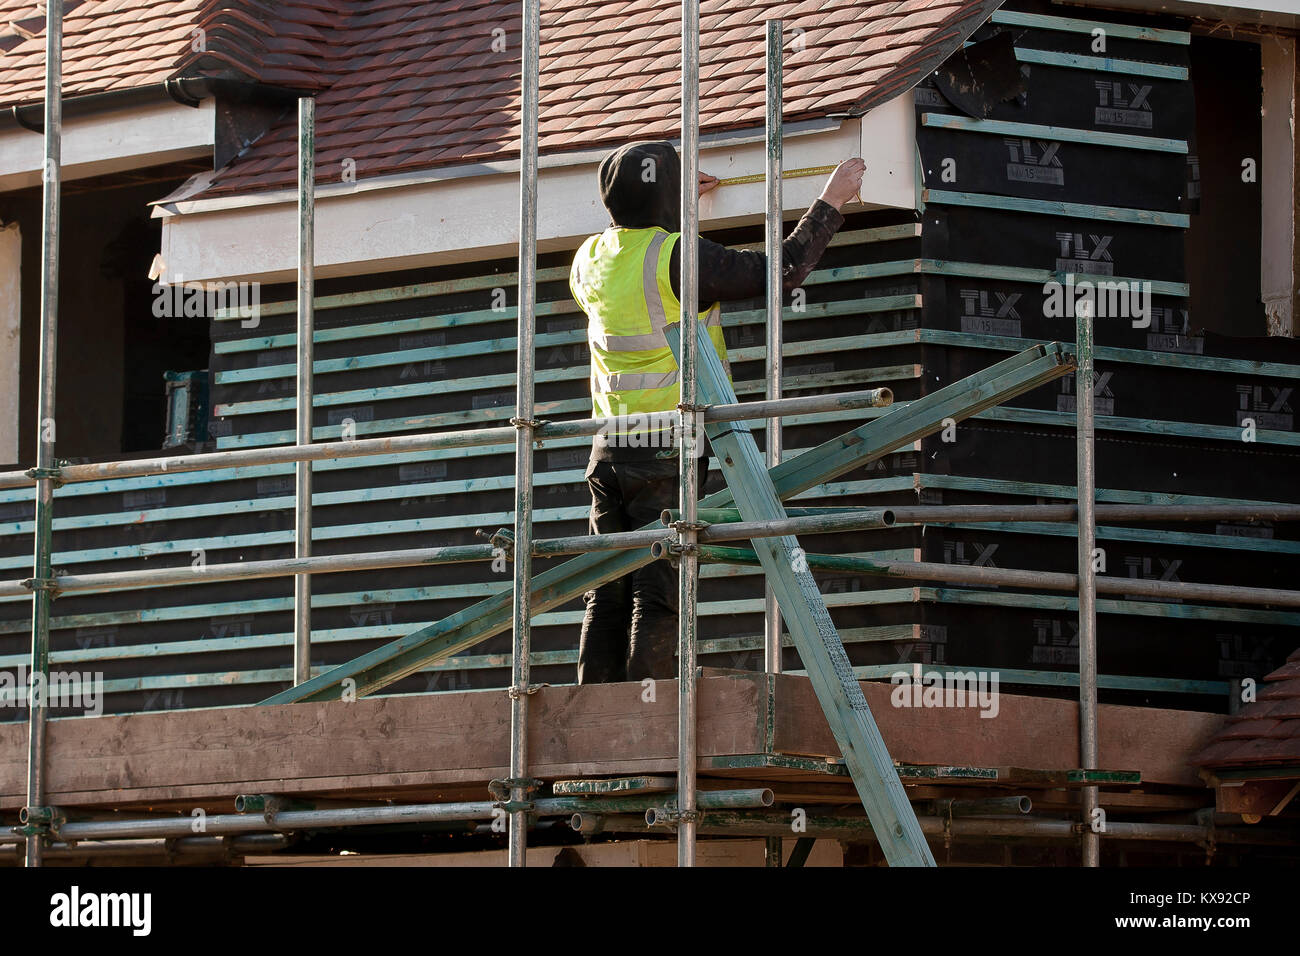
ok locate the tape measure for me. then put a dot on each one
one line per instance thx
(785, 174)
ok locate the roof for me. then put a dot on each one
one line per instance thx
(1265, 732)
(407, 86)
(114, 45)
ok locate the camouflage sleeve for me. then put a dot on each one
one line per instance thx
(727, 274)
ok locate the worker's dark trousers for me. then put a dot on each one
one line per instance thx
(629, 632)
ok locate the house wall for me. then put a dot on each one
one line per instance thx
(913, 302)
(1278, 179)
(1086, 176)
(11, 257)
(417, 351)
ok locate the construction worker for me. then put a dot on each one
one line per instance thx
(627, 281)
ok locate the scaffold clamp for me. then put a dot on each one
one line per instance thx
(501, 791)
(532, 424)
(43, 584)
(41, 821)
(516, 692)
(54, 474)
(503, 539)
(678, 547)
(671, 816)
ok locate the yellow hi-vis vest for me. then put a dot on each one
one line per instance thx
(620, 278)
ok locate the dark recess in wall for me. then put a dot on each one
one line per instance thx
(1223, 243)
(112, 349)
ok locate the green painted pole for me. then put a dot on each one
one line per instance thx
(46, 470)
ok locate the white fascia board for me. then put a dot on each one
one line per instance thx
(1276, 13)
(402, 223)
(98, 143)
(884, 138)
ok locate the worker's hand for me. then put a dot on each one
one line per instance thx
(844, 183)
(707, 183)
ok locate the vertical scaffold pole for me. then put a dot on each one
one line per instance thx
(689, 565)
(524, 425)
(306, 358)
(1086, 481)
(46, 465)
(772, 614)
(775, 297)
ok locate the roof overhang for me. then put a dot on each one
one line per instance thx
(109, 141)
(471, 212)
(1266, 13)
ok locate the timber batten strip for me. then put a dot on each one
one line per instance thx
(1055, 133)
(1055, 207)
(1074, 25)
(1104, 64)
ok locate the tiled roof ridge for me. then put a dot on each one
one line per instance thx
(125, 44)
(297, 43)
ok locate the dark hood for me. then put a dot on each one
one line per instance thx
(640, 185)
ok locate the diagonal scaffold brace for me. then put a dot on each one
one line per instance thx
(820, 649)
(899, 427)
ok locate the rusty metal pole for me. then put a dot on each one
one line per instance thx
(519, 788)
(771, 610)
(46, 470)
(772, 613)
(1087, 481)
(306, 358)
(688, 572)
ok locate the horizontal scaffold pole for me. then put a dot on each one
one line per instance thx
(1017, 578)
(858, 829)
(452, 554)
(949, 514)
(465, 438)
(895, 429)
(226, 824)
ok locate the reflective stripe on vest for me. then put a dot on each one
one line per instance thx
(622, 280)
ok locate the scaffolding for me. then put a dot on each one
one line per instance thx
(749, 510)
